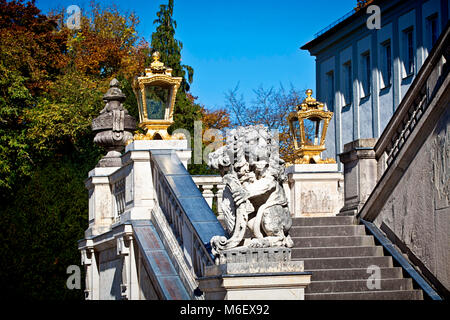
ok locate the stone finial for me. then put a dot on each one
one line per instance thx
(113, 127)
(114, 92)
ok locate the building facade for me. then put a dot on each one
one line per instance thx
(363, 72)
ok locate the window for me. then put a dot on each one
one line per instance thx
(347, 82)
(433, 29)
(330, 90)
(365, 73)
(409, 51)
(386, 64)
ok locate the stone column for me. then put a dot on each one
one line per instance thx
(89, 260)
(130, 284)
(208, 194)
(360, 174)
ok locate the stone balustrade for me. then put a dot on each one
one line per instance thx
(186, 210)
(211, 187)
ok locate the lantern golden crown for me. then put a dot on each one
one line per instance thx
(156, 94)
(157, 67)
(308, 126)
(309, 103)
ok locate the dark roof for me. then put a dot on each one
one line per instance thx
(335, 26)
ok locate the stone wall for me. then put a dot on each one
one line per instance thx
(418, 209)
(110, 269)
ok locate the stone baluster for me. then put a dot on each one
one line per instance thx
(208, 194)
(220, 188)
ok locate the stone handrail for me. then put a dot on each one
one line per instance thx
(187, 212)
(211, 187)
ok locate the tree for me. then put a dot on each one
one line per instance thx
(270, 108)
(215, 119)
(163, 40)
(51, 85)
(31, 57)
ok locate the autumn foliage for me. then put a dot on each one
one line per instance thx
(52, 80)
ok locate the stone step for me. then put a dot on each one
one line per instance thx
(368, 295)
(353, 274)
(344, 263)
(357, 285)
(324, 221)
(326, 252)
(308, 242)
(318, 231)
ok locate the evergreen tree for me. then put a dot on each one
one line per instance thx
(163, 40)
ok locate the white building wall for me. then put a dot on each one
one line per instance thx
(327, 69)
(407, 22)
(368, 114)
(345, 108)
(364, 114)
(430, 9)
(385, 96)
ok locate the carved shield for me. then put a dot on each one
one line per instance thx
(228, 210)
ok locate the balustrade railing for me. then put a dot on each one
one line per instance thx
(118, 189)
(211, 187)
(186, 210)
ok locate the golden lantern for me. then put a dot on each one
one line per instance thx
(308, 127)
(156, 92)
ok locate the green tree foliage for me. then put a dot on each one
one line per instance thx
(51, 85)
(52, 80)
(30, 58)
(40, 229)
(186, 110)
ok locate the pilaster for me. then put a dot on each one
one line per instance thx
(360, 174)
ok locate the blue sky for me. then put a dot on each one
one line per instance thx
(228, 42)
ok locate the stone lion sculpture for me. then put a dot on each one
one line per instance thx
(253, 175)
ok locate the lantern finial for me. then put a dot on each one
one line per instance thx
(157, 66)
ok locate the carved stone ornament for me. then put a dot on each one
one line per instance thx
(113, 126)
(253, 175)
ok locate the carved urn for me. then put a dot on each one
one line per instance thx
(113, 127)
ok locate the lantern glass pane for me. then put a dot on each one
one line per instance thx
(141, 109)
(313, 131)
(297, 132)
(156, 99)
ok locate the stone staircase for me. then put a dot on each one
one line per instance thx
(338, 252)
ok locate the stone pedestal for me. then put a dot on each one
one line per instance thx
(316, 190)
(101, 214)
(255, 274)
(360, 174)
